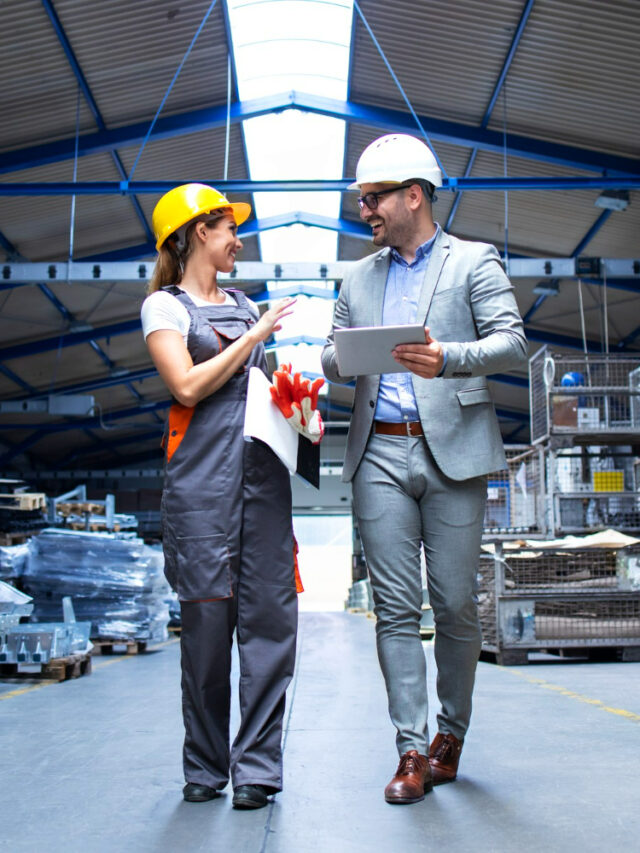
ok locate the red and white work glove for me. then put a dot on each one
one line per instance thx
(297, 399)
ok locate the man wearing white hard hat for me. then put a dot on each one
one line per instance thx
(421, 443)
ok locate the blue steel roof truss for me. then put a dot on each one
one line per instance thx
(616, 172)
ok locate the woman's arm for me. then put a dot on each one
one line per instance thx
(188, 382)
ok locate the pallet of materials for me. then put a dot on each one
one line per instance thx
(24, 500)
(116, 581)
(127, 647)
(57, 669)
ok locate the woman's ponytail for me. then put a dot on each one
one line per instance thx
(167, 270)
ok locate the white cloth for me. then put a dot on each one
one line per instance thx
(161, 310)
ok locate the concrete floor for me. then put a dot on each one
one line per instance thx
(552, 761)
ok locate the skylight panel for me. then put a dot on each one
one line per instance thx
(279, 46)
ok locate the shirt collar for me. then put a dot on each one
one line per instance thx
(421, 252)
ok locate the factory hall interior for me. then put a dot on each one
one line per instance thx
(319, 426)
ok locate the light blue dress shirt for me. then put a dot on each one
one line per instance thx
(396, 400)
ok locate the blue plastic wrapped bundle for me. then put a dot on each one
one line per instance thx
(13, 559)
(116, 582)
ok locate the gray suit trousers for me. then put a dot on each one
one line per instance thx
(404, 502)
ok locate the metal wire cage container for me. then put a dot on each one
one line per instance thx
(515, 496)
(591, 488)
(584, 395)
(569, 601)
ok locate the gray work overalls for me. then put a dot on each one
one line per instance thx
(228, 545)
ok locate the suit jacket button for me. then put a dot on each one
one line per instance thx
(371, 403)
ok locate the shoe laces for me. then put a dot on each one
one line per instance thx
(444, 750)
(407, 765)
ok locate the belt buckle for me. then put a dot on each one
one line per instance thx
(409, 426)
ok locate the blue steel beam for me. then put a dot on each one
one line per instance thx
(249, 229)
(69, 339)
(91, 101)
(316, 220)
(15, 378)
(579, 249)
(512, 415)
(24, 445)
(113, 445)
(70, 318)
(118, 377)
(8, 247)
(93, 422)
(127, 326)
(629, 339)
(204, 119)
(151, 373)
(517, 36)
(482, 184)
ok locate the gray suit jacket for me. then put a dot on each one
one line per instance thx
(468, 303)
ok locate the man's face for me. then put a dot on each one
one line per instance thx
(391, 219)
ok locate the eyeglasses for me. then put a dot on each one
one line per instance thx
(371, 199)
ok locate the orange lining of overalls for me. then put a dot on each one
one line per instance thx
(296, 570)
(179, 420)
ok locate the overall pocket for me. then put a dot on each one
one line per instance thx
(203, 563)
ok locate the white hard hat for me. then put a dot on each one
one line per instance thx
(395, 158)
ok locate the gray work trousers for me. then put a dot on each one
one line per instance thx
(404, 502)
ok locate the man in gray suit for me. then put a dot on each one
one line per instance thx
(421, 443)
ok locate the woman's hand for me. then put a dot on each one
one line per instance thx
(270, 320)
(190, 383)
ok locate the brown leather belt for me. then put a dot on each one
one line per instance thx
(411, 428)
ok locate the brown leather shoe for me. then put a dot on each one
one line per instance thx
(444, 755)
(412, 780)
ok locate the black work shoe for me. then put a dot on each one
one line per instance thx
(250, 797)
(194, 793)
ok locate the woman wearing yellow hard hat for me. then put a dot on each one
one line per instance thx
(226, 504)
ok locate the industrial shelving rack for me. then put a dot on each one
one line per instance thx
(585, 416)
(584, 475)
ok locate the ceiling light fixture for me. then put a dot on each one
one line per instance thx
(548, 287)
(613, 199)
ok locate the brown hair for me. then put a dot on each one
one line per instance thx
(171, 261)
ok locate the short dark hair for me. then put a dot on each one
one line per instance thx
(427, 188)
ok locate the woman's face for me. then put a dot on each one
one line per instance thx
(223, 243)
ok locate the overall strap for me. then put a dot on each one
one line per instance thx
(241, 298)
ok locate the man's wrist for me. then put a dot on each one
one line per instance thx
(444, 364)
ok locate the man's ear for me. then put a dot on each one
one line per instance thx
(414, 196)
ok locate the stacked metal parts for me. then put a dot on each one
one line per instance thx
(41, 642)
(116, 582)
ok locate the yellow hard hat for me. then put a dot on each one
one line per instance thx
(184, 203)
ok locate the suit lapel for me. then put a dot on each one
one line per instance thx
(439, 255)
(377, 285)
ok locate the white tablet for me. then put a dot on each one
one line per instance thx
(367, 349)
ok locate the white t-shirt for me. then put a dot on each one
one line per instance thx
(161, 310)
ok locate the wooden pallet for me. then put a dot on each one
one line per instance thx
(24, 500)
(17, 537)
(128, 647)
(94, 526)
(58, 669)
(79, 507)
